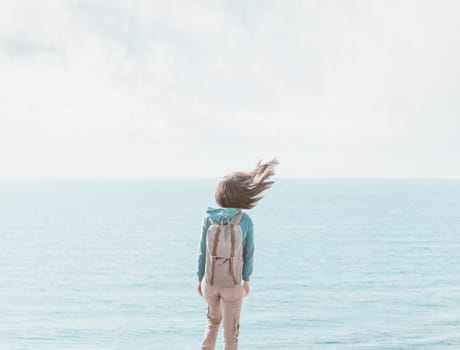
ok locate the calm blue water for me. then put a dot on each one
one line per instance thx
(340, 264)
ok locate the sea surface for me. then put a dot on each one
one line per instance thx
(339, 264)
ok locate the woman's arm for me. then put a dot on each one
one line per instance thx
(248, 251)
(202, 249)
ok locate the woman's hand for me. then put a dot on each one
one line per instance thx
(199, 289)
(245, 288)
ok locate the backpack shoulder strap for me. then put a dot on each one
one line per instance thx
(212, 221)
(237, 218)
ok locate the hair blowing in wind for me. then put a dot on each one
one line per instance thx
(244, 189)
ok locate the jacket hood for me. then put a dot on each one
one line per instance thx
(217, 213)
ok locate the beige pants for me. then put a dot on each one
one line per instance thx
(222, 303)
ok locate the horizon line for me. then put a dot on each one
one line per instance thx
(217, 177)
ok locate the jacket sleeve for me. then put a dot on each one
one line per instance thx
(248, 251)
(202, 249)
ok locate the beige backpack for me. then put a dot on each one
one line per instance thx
(224, 252)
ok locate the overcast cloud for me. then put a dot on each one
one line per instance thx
(179, 88)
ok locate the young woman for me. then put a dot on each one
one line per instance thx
(236, 191)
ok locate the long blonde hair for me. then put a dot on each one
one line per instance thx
(243, 189)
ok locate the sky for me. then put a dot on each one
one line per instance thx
(202, 88)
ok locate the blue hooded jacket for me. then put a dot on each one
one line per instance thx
(248, 239)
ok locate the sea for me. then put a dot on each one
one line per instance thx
(110, 263)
